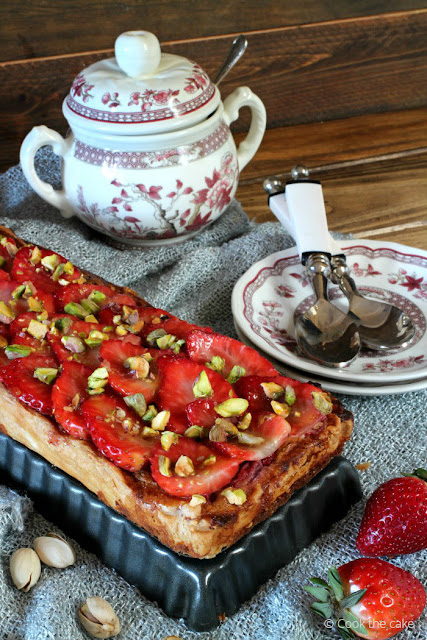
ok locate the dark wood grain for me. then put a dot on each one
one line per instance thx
(384, 199)
(303, 74)
(38, 28)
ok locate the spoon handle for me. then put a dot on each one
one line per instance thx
(238, 48)
(318, 269)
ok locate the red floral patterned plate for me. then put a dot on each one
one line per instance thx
(336, 386)
(265, 298)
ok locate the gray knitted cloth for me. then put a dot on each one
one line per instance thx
(193, 280)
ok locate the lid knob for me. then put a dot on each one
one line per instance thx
(137, 53)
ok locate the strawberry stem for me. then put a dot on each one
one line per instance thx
(417, 473)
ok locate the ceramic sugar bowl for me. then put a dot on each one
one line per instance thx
(150, 158)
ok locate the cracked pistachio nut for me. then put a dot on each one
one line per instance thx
(234, 496)
(54, 551)
(98, 618)
(25, 568)
(322, 402)
(202, 387)
(272, 390)
(232, 407)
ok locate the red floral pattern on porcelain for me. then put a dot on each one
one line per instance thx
(154, 124)
(268, 296)
(182, 210)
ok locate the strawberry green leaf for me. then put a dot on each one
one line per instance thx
(336, 584)
(352, 599)
(320, 593)
(322, 608)
(355, 623)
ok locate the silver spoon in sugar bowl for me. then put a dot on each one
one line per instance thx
(238, 48)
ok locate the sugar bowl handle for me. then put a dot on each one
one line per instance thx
(41, 137)
(243, 97)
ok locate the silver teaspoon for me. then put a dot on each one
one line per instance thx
(323, 332)
(238, 48)
(381, 325)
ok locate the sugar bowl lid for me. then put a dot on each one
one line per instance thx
(141, 90)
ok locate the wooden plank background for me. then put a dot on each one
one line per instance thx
(309, 63)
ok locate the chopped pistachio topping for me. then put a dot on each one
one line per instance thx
(76, 309)
(194, 431)
(121, 330)
(184, 467)
(69, 268)
(154, 335)
(197, 499)
(73, 344)
(50, 262)
(202, 388)
(42, 316)
(167, 439)
(97, 381)
(91, 318)
(75, 401)
(138, 365)
(245, 421)
(280, 408)
(150, 413)
(35, 305)
(216, 364)
(6, 313)
(11, 248)
(160, 421)
(272, 390)
(290, 396)
(221, 430)
(62, 324)
(90, 306)
(207, 462)
(37, 329)
(97, 297)
(232, 407)
(95, 338)
(58, 272)
(235, 374)
(117, 319)
(3, 342)
(63, 282)
(148, 432)
(45, 374)
(322, 402)
(165, 466)
(248, 438)
(234, 496)
(137, 402)
(166, 341)
(19, 291)
(17, 351)
(36, 256)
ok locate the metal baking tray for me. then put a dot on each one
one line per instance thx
(199, 591)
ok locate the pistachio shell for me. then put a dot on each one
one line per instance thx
(98, 618)
(54, 551)
(25, 568)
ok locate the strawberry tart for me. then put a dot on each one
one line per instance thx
(190, 434)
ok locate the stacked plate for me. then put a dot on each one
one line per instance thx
(268, 295)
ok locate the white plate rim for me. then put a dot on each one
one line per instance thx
(331, 385)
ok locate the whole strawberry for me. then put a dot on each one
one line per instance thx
(395, 518)
(368, 598)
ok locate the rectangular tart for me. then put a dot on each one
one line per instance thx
(127, 432)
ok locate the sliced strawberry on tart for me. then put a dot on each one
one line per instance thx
(132, 368)
(30, 330)
(29, 379)
(183, 381)
(48, 271)
(87, 299)
(77, 340)
(184, 467)
(302, 404)
(118, 431)
(68, 394)
(229, 357)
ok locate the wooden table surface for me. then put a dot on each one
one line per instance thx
(373, 169)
